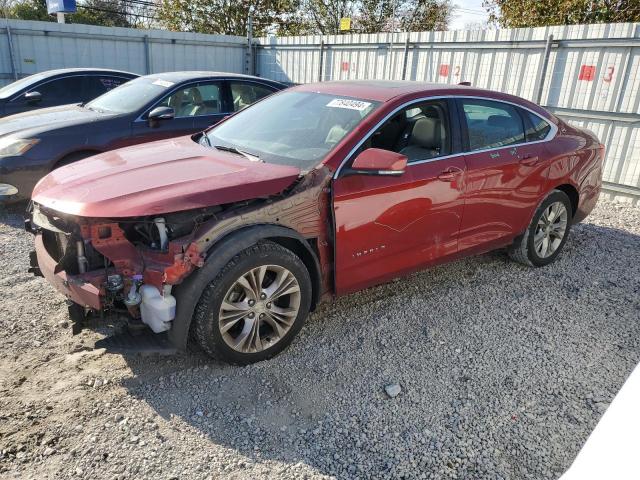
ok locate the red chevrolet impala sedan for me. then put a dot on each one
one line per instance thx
(236, 233)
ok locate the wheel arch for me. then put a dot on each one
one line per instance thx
(69, 157)
(574, 197)
(188, 292)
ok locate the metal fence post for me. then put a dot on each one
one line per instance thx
(543, 70)
(12, 57)
(249, 65)
(321, 60)
(147, 54)
(406, 57)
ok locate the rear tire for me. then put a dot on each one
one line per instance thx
(255, 305)
(547, 233)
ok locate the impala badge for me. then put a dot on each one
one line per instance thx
(368, 251)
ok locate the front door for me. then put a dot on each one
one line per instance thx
(59, 91)
(196, 106)
(390, 226)
(506, 173)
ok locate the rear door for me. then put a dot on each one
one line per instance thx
(214, 100)
(389, 226)
(506, 174)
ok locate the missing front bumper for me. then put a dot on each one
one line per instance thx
(73, 287)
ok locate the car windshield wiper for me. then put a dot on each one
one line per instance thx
(250, 156)
(204, 140)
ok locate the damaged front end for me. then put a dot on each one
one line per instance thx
(124, 267)
(127, 267)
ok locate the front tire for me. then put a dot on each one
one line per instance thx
(255, 306)
(546, 234)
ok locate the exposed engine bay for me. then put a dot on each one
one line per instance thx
(132, 263)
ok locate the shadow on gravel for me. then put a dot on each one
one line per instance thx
(13, 214)
(503, 371)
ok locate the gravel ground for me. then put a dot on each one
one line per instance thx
(503, 372)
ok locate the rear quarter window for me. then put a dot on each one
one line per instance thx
(538, 129)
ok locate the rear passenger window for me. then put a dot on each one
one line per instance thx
(94, 86)
(492, 124)
(244, 94)
(539, 128)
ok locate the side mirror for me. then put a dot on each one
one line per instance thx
(376, 161)
(33, 97)
(161, 113)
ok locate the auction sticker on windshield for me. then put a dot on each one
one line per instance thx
(350, 104)
(163, 83)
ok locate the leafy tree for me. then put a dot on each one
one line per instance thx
(374, 16)
(29, 10)
(108, 13)
(102, 12)
(540, 13)
(324, 15)
(371, 16)
(229, 17)
(425, 15)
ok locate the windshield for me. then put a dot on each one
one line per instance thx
(131, 96)
(15, 87)
(292, 128)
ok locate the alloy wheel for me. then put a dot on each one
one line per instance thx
(550, 230)
(259, 309)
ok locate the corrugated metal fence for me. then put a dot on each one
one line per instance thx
(588, 74)
(31, 47)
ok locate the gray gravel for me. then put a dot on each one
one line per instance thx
(503, 371)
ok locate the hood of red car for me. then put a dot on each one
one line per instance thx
(159, 177)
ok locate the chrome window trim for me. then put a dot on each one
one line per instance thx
(225, 79)
(550, 136)
(64, 77)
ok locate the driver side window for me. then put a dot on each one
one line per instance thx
(60, 91)
(195, 100)
(421, 132)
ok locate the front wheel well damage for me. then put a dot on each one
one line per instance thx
(220, 253)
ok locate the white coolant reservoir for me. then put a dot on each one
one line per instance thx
(157, 310)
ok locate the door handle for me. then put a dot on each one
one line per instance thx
(449, 174)
(529, 159)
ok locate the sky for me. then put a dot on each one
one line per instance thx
(468, 11)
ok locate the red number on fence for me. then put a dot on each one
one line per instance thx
(345, 66)
(444, 70)
(587, 73)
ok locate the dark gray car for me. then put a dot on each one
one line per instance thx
(153, 107)
(59, 87)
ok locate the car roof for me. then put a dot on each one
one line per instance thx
(178, 77)
(385, 90)
(62, 71)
